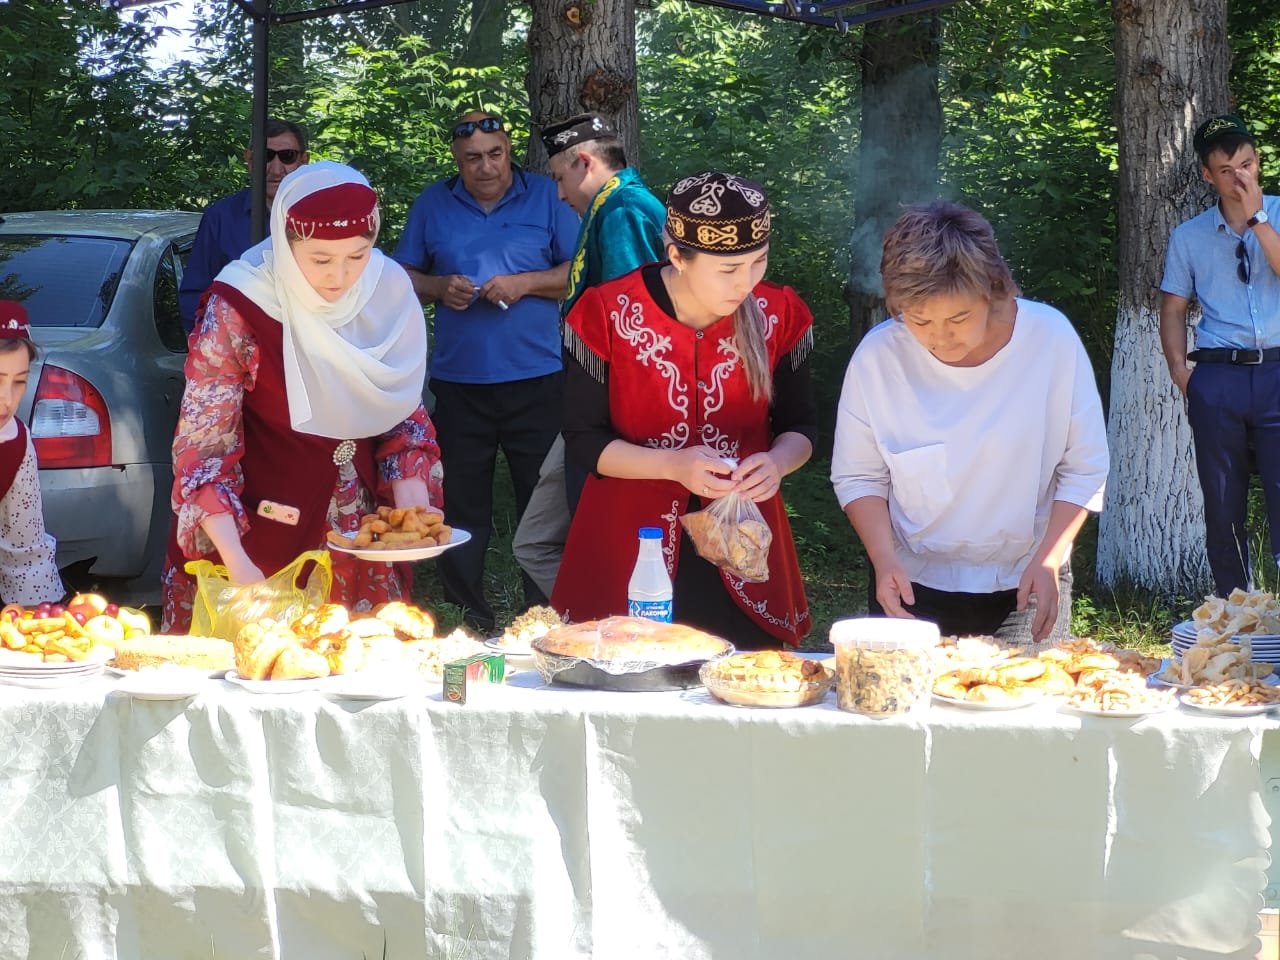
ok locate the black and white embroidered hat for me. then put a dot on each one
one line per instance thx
(718, 213)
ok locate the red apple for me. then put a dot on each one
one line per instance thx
(91, 603)
(57, 610)
(80, 618)
(111, 610)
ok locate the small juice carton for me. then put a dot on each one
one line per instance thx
(480, 668)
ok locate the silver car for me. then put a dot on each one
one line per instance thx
(101, 290)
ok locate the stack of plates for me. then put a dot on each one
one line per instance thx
(1266, 646)
(43, 676)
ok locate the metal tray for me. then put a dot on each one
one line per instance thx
(574, 672)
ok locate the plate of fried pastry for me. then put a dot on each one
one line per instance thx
(397, 534)
(767, 678)
(1233, 698)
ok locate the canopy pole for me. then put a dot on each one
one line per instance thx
(258, 139)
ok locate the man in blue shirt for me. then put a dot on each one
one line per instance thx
(225, 229)
(1228, 259)
(490, 248)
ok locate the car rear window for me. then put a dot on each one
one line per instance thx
(62, 281)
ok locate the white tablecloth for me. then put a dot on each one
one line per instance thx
(562, 824)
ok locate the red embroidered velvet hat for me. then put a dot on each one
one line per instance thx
(334, 213)
(13, 321)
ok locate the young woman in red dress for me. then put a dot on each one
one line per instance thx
(303, 408)
(671, 369)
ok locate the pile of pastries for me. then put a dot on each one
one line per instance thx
(1243, 611)
(396, 528)
(1080, 669)
(329, 640)
(533, 624)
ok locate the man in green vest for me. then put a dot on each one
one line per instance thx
(621, 231)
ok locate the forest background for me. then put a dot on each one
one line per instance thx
(1027, 90)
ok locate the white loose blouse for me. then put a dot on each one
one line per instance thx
(971, 459)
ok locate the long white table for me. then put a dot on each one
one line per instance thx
(558, 824)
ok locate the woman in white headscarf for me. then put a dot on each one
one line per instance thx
(303, 407)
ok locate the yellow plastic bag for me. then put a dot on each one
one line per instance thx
(221, 608)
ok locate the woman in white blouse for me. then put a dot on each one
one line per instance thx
(970, 444)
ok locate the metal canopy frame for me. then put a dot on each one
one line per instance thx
(837, 14)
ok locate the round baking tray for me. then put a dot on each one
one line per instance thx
(575, 672)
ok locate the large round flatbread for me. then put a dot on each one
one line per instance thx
(632, 640)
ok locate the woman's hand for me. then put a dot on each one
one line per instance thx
(702, 471)
(1041, 580)
(758, 477)
(893, 589)
(410, 492)
(242, 571)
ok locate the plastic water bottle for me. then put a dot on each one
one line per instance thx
(649, 590)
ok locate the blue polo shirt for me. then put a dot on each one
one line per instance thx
(529, 229)
(1201, 264)
(224, 235)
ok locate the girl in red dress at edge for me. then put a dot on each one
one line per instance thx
(670, 369)
(303, 408)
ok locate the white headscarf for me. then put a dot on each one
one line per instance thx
(353, 368)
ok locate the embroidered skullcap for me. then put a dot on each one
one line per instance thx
(334, 213)
(1215, 128)
(560, 136)
(13, 321)
(718, 213)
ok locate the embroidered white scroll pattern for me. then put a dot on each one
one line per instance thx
(649, 346)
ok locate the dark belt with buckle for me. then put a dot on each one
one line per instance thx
(1228, 355)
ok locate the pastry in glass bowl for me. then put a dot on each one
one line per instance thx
(767, 678)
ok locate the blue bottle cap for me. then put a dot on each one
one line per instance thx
(650, 533)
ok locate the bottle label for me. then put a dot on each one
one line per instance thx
(650, 609)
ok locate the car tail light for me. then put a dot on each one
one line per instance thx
(69, 422)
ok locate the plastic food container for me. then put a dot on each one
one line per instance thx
(884, 666)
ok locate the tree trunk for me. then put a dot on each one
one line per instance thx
(582, 57)
(1172, 58)
(898, 148)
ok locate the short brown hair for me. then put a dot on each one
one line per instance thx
(942, 248)
(10, 345)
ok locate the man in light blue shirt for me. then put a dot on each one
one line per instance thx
(1228, 259)
(490, 248)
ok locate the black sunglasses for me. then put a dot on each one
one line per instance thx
(484, 125)
(286, 156)
(1242, 268)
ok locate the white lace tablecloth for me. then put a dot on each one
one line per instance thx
(562, 824)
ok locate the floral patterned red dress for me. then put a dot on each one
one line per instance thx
(225, 362)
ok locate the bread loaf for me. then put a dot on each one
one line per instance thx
(204, 653)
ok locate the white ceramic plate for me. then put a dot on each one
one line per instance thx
(1227, 710)
(372, 686)
(458, 537)
(48, 681)
(1091, 711)
(164, 684)
(509, 649)
(1026, 700)
(110, 668)
(277, 686)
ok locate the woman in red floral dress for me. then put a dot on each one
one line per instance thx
(303, 407)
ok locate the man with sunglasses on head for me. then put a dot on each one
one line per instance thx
(621, 230)
(1228, 260)
(490, 247)
(226, 227)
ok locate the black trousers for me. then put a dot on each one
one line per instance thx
(982, 614)
(473, 421)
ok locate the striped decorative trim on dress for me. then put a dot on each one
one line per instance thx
(800, 352)
(595, 366)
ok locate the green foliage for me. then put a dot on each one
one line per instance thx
(80, 113)
(1027, 89)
